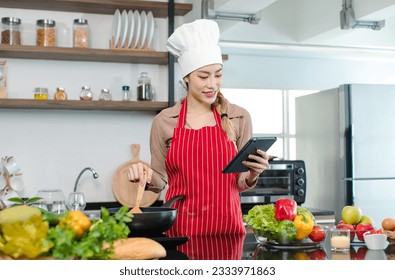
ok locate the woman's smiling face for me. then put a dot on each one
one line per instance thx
(204, 83)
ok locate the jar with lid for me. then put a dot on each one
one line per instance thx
(86, 93)
(60, 94)
(126, 95)
(40, 93)
(80, 33)
(46, 33)
(105, 95)
(144, 87)
(10, 31)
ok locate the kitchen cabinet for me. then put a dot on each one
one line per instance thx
(159, 9)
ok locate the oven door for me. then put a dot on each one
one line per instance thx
(277, 181)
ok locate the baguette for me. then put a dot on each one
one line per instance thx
(137, 248)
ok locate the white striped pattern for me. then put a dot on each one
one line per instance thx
(194, 165)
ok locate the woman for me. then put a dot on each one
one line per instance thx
(195, 139)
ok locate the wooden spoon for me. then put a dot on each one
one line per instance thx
(139, 196)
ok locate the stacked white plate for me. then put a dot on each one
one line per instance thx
(132, 30)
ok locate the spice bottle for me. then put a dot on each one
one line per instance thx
(40, 93)
(105, 95)
(10, 31)
(86, 93)
(80, 33)
(144, 87)
(46, 33)
(60, 94)
(126, 96)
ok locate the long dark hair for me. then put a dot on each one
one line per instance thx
(221, 105)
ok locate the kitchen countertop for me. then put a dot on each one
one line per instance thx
(247, 248)
(228, 247)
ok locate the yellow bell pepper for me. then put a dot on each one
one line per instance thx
(77, 221)
(304, 225)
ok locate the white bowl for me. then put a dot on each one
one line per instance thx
(376, 241)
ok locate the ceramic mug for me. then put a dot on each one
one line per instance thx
(16, 183)
(11, 167)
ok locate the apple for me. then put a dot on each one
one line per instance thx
(350, 227)
(359, 254)
(351, 214)
(361, 229)
(366, 220)
(318, 254)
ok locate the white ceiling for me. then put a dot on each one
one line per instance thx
(307, 22)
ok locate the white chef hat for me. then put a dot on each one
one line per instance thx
(195, 45)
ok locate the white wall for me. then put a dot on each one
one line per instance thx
(53, 146)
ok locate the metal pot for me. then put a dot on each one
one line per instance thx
(153, 221)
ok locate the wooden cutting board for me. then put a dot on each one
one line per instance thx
(125, 191)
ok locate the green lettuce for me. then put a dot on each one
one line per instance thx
(261, 219)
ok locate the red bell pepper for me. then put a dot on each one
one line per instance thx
(285, 209)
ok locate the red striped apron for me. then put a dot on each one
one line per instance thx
(194, 164)
(214, 247)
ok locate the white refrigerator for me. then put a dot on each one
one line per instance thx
(346, 136)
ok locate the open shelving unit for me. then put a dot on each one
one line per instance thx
(159, 9)
(82, 105)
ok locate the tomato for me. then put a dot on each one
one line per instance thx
(375, 231)
(317, 234)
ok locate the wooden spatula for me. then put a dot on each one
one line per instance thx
(139, 196)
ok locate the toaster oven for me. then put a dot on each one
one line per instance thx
(283, 178)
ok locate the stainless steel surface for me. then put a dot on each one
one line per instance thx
(95, 175)
(261, 199)
(358, 168)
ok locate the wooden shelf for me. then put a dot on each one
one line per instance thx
(82, 105)
(159, 9)
(88, 54)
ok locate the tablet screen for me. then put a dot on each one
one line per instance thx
(255, 143)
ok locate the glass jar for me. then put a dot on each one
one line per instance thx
(144, 87)
(60, 94)
(80, 33)
(126, 96)
(10, 31)
(40, 93)
(86, 93)
(105, 95)
(46, 33)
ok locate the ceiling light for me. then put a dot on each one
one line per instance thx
(347, 19)
(209, 13)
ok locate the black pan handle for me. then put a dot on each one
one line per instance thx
(170, 202)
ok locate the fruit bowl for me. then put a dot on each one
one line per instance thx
(376, 241)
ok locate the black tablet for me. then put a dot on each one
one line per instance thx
(255, 143)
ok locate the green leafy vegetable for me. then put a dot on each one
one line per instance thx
(262, 220)
(21, 201)
(90, 246)
(285, 232)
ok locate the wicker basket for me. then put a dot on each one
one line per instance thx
(390, 236)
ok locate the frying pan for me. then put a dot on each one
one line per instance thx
(125, 191)
(153, 221)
